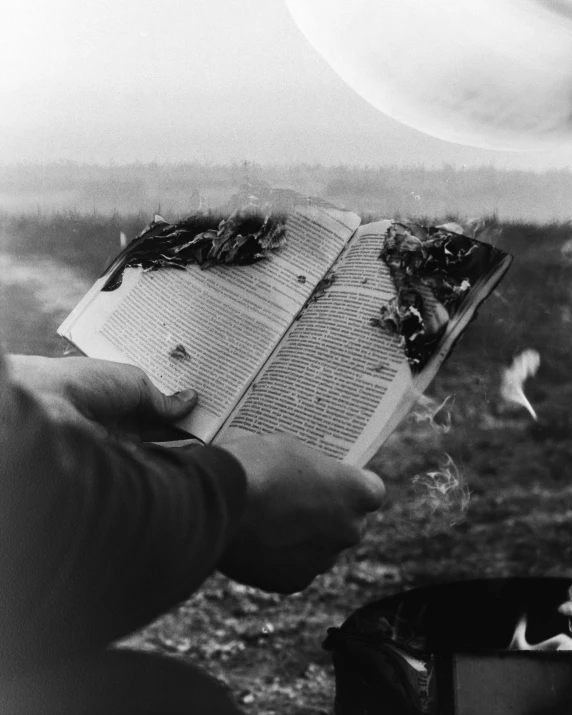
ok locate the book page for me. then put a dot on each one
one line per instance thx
(211, 330)
(336, 378)
(339, 382)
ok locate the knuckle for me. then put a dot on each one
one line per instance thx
(143, 379)
(70, 391)
(142, 385)
(139, 374)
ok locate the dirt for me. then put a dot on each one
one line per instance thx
(268, 648)
(36, 294)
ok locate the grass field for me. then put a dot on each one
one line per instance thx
(519, 521)
(387, 190)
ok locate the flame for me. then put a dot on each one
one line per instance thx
(523, 366)
(519, 642)
(441, 496)
(427, 409)
(566, 609)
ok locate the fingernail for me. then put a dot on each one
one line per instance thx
(187, 395)
(375, 480)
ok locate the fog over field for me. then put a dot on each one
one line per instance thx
(177, 189)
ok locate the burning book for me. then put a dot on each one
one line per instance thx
(285, 314)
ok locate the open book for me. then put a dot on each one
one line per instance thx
(333, 336)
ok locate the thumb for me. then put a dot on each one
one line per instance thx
(366, 487)
(168, 408)
(376, 488)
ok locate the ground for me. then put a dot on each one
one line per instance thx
(267, 648)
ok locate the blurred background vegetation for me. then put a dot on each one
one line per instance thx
(389, 190)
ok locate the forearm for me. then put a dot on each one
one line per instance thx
(99, 538)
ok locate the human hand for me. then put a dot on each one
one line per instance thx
(303, 509)
(117, 396)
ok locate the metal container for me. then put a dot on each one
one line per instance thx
(443, 650)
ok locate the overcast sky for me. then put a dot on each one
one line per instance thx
(193, 80)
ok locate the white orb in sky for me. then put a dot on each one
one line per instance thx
(495, 74)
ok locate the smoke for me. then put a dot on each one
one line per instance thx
(440, 499)
(513, 378)
(437, 414)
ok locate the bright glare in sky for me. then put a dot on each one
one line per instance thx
(191, 80)
(487, 73)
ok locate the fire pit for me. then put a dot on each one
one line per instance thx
(482, 647)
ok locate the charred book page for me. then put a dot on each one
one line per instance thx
(208, 327)
(369, 341)
(438, 274)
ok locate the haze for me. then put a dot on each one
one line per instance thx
(204, 80)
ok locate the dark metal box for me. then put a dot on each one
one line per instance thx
(443, 650)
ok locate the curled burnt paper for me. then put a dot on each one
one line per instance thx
(434, 270)
(247, 229)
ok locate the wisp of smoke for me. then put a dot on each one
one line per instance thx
(438, 415)
(441, 498)
(523, 366)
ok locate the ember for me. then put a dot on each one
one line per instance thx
(179, 352)
(323, 285)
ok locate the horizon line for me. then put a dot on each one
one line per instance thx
(246, 164)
